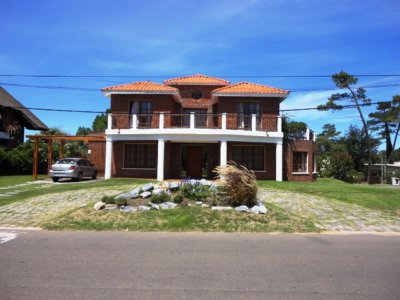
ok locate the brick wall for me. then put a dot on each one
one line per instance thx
(299, 146)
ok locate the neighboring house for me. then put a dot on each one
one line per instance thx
(14, 118)
(187, 126)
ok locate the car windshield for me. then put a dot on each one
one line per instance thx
(66, 161)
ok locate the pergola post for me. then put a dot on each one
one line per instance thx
(35, 158)
(61, 149)
(49, 154)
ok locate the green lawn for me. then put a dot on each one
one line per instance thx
(17, 179)
(385, 198)
(181, 219)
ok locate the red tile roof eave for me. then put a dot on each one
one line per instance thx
(215, 96)
(174, 94)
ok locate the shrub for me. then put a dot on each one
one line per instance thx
(239, 184)
(160, 198)
(121, 201)
(108, 199)
(177, 198)
(193, 190)
(354, 177)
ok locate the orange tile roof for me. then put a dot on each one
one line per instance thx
(142, 86)
(197, 79)
(250, 88)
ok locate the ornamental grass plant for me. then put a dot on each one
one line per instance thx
(239, 184)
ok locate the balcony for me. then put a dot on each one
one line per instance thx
(222, 121)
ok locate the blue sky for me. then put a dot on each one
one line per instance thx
(182, 37)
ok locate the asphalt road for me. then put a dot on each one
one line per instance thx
(123, 265)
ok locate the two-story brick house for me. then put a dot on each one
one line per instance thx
(189, 125)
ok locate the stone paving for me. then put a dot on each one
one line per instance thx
(32, 212)
(327, 214)
(333, 215)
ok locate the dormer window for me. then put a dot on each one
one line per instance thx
(196, 94)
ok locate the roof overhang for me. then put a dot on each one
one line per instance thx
(216, 95)
(174, 94)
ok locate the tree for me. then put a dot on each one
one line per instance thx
(100, 122)
(385, 121)
(293, 130)
(83, 131)
(356, 97)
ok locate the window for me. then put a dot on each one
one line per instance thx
(300, 162)
(245, 110)
(252, 157)
(144, 110)
(140, 156)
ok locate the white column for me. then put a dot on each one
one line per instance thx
(134, 121)
(279, 124)
(161, 125)
(223, 153)
(223, 121)
(108, 166)
(279, 161)
(109, 121)
(253, 122)
(307, 134)
(160, 160)
(192, 120)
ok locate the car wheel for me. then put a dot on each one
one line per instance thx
(79, 177)
(94, 175)
(55, 179)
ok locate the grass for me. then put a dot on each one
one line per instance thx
(384, 198)
(181, 219)
(17, 179)
(30, 191)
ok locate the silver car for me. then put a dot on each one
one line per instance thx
(75, 168)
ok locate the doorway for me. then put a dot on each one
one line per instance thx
(194, 161)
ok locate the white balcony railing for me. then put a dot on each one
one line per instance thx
(223, 121)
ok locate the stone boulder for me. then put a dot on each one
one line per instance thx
(168, 205)
(173, 186)
(157, 191)
(259, 209)
(134, 193)
(145, 195)
(128, 209)
(148, 187)
(99, 205)
(143, 208)
(221, 208)
(123, 196)
(110, 206)
(242, 208)
(154, 206)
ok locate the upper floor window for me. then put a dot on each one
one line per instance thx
(300, 162)
(144, 110)
(245, 112)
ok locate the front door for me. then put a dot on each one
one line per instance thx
(194, 161)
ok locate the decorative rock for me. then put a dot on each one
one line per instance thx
(110, 206)
(157, 191)
(259, 209)
(167, 205)
(154, 206)
(123, 196)
(143, 208)
(199, 202)
(99, 205)
(145, 195)
(157, 186)
(128, 209)
(173, 186)
(148, 187)
(205, 205)
(221, 208)
(205, 182)
(242, 208)
(134, 193)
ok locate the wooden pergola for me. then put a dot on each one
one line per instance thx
(62, 139)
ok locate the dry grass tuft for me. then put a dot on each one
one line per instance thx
(239, 183)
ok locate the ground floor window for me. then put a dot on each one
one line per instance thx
(299, 162)
(140, 156)
(252, 157)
